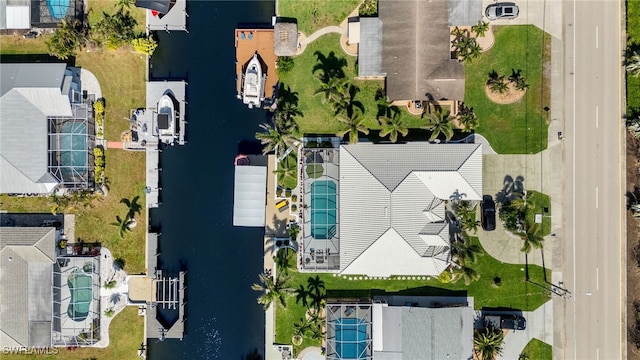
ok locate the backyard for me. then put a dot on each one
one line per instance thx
(319, 118)
(500, 285)
(521, 127)
(313, 15)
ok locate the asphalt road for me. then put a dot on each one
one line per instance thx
(594, 141)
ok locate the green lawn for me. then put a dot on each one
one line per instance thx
(514, 291)
(537, 350)
(313, 15)
(125, 335)
(519, 128)
(633, 41)
(540, 201)
(319, 118)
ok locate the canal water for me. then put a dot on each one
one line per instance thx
(195, 217)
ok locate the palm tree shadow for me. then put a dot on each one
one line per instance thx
(511, 189)
(253, 355)
(330, 66)
(633, 197)
(286, 96)
(279, 227)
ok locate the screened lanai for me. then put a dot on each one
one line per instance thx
(321, 201)
(349, 333)
(76, 301)
(71, 143)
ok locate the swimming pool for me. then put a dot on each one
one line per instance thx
(323, 209)
(73, 145)
(80, 287)
(58, 8)
(351, 336)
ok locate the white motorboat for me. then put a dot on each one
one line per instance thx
(253, 83)
(166, 119)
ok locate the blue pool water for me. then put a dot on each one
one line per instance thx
(351, 335)
(58, 8)
(73, 145)
(323, 209)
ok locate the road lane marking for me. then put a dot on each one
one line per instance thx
(597, 116)
(596, 37)
(597, 279)
(573, 145)
(596, 197)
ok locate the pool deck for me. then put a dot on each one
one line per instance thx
(261, 42)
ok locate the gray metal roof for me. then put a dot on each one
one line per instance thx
(249, 196)
(370, 47)
(26, 267)
(416, 45)
(31, 75)
(285, 38)
(401, 187)
(29, 93)
(426, 333)
(465, 12)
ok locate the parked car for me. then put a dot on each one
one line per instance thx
(488, 213)
(506, 322)
(503, 10)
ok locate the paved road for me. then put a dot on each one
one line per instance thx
(595, 181)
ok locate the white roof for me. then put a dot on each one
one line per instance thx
(392, 207)
(18, 17)
(249, 196)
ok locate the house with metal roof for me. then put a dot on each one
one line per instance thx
(409, 44)
(409, 331)
(379, 209)
(46, 129)
(27, 257)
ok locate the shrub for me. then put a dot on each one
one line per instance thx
(294, 208)
(109, 284)
(287, 192)
(99, 163)
(285, 64)
(144, 45)
(368, 8)
(444, 277)
(109, 312)
(98, 106)
(510, 216)
(294, 198)
(497, 281)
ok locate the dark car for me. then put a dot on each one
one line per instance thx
(513, 322)
(31, 35)
(488, 207)
(503, 10)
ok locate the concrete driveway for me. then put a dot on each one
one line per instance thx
(535, 12)
(537, 322)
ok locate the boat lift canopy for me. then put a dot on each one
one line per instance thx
(249, 196)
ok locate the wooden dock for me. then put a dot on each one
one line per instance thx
(248, 42)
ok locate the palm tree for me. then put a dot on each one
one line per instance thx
(274, 290)
(633, 64)
(124, 4)
(132, 205)
(353, 125)
(440, 123)
(348, 103)
(469, 121)
(522, 202)
(458, 34)
(301, 327)
(287, 169)
(499, 86)
(467, 48)
(488, 343)
(465, 252)
(274, 137)
(470, 223)
(480, 29)
(392, 127)
(332, 91)
(532, 238)
(123, 224)
(521, 84)
(515, 75)
(464, 272)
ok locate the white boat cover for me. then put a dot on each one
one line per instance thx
(249, 196)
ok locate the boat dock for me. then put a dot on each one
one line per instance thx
(178, 89)
(249, 42)
(175, 19)
(167, 293)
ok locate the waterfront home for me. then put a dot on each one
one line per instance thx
(51, 289)
(379, 209)
(47, 130)
(409, 45)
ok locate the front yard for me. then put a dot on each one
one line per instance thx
(521, 127)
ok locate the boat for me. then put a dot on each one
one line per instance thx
(166, 119)
(253, 82)
(241, 160)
